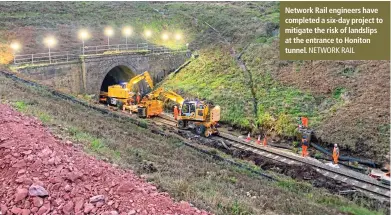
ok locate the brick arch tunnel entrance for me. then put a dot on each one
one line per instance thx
(116, 75)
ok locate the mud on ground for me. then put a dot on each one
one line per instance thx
(185, 173)
(297, 172)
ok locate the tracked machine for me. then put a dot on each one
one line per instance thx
(121, 95)
(194, 114)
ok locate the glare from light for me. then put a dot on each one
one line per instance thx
(165, 36)
(187, 44)
(109, 31)
(50, 41)
(178, 36)
(83, 34)
(127, 31)
(15, 46)
(148, 33)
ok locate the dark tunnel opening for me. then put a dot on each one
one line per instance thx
(116, 75)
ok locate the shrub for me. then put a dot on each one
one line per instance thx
(285, 124)
(265, 120)
(44, 117)
(96, 144)
(20, 106)
(295, 144)
(318, 155)
(338, 92)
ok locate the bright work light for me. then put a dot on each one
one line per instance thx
(165, 36)
(148, 33)
(15, 46)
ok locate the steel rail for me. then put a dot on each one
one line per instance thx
(373, 189)
(361, 182)
(66, 97)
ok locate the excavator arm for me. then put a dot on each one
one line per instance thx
(145, 76)
(154, 94)
(166, 94)
(173, 97)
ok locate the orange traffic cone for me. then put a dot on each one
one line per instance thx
(259, 139)
(264, 141)
(248, 137)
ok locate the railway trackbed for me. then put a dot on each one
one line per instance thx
(361, 182)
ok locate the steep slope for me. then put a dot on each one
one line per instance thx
(238, 65)
(165, 162)
(61, 179)
(347, 101)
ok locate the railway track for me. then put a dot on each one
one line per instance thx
(361, 182)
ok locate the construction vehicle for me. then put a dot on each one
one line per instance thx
(121, 95)
(194, 114)
(150, 105)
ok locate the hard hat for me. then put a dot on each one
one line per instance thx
(335, 145)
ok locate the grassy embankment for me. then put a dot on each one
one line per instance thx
(250, 28)
(184, 173)
(249, 98)
(271, 93)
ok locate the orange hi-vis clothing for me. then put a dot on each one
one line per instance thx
(138, 98)
(304, 121)
(176, 112)
(335, 155)
(304, 147)
(304, 150)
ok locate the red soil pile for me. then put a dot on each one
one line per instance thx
(42, 175)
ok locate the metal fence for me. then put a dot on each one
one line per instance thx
(43, 58)
(63, 57)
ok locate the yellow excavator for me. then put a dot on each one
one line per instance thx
(121, 95)
(194, 114)
(150, 105)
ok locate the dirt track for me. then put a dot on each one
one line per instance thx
(43, 175)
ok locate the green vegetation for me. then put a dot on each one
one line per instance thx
(44, 117)
(358, 210)
(294, 186)
(277, 92)
(338, 92)
(184, 173)
(351, 209)
(20, 106)
(216, 77)
(236, 209)
(255, 98)
(318, 155)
